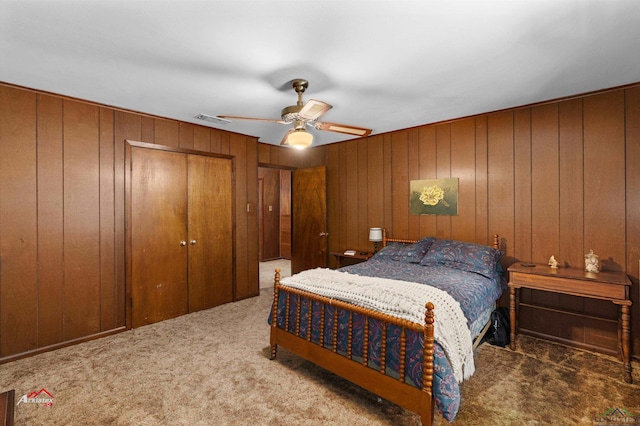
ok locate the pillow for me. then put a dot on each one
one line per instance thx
(408, 253)
(464, 256)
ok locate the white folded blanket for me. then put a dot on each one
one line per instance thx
(401, 299)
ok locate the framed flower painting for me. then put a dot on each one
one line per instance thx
(434, 197)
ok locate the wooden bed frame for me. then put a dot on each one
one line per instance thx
(396, 390)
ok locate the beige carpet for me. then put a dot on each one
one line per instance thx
(212, 368)
(267, 271)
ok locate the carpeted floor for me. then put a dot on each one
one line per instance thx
(212, 368)
(268, 268)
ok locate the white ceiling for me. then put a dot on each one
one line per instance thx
(385, 65)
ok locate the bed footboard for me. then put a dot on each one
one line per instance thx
(295, 336)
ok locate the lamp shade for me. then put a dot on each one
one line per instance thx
(299, 139)
(375, 234)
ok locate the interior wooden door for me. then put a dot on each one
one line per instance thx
(309, 219)
(210, 227)
(158, 235)
(269, 205)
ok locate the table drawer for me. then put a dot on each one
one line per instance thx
(574, 286)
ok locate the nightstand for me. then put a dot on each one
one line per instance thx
(343, 259)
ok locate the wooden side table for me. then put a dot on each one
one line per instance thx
(612, 286)
(359, 256)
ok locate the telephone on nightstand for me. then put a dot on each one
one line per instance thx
(350, 253)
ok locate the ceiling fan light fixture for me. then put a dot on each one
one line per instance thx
(299, 139)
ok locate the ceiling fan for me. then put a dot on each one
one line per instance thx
(305, 114)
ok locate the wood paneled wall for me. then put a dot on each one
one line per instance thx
(62, 224)
(557, 178)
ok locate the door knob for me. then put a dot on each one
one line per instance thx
(192, 242)
(323, 234)
(183, 243)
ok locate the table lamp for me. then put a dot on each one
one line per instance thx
(375, 236)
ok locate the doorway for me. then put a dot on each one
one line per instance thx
(274, 213)
(274, 223)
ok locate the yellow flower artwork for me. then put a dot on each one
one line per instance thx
(434, 197)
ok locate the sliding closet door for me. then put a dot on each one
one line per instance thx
(210, 232)
(158, 233)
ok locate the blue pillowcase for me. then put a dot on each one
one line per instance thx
(464, 256)
(408, 253)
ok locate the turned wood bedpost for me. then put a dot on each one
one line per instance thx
(274, 314)
(427, 368)
(427, 409)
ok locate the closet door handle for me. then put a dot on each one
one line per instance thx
(183, 243)
(193, 242)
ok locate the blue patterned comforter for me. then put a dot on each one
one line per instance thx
(474, 292)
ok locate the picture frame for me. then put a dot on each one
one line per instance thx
(434, 197)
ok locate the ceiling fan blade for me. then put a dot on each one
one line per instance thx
(237, 117)
(313, 110)
(284, 138)
(342, 128)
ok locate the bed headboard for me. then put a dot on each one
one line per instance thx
(495, 243)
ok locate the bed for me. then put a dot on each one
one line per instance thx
(377, 325)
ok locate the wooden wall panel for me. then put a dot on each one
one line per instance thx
(413, 172)
(147, 129)
(244, 149)
(351, 211)
(18, 222)
(375, 185)
(126, 126)
(225, 143)
(400, 184)
(201, 139)
(500, 175)
(482, 182)
(253, 279)
(315, 157)
(50, 221)
(443, 170)
(109, 301)
(544, 182)
(463, 167)
(166, 132)
(522, 180)
(571, 177)
(363, 192)
(604, 178)
(427, 170)
(387, 193)
(186, 135)
(334, 197)
(264, 153)
(238, 149)
(81, 220)
(215, 142)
